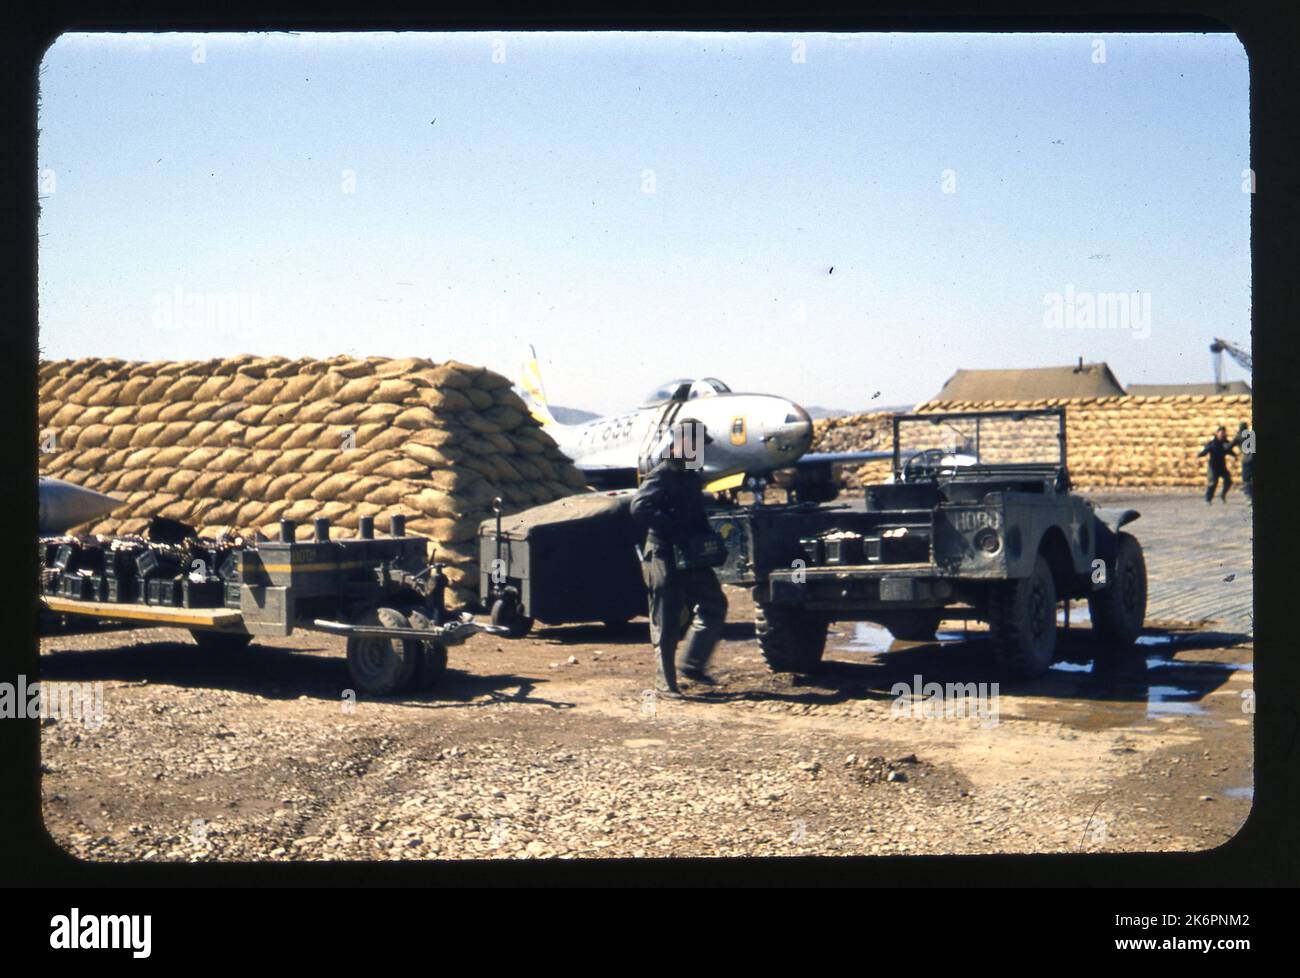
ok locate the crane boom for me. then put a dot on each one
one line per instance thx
(1218, 348)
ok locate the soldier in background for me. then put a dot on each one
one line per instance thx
(1244, 439)
(669, 509)
(1217, 451)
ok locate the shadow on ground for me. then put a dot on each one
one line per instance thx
(271, 672)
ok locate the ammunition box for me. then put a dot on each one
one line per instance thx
(913, 548)
(844, 550)
(209, 594)
(119, 563)
(814, 551)
(164, 591)
(77, 586)
(230, 594)
(125, 590)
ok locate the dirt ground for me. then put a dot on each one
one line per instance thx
(552, 746)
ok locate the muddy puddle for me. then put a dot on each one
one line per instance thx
(1080, 690)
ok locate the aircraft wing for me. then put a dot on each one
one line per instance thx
(834, 458)
(609, 476)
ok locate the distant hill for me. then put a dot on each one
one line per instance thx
(821, 412)
(569, 415)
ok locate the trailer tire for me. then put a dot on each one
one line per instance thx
(791, 638)
(1119, 610)
(1022, 623)
(209, 641)
(433, 655)
(505, 611)
(383, 666)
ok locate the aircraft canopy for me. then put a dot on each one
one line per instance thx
(705, 387)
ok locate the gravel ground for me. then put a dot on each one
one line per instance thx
(551, 747)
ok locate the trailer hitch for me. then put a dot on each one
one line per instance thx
(450, 633)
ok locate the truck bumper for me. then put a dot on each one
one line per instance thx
(866, 588)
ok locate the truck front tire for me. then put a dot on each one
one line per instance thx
(790, 638)
(1119, 610)
(1022, 622)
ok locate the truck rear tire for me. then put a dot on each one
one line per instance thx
(791, 639)
(220, 641)
(1119, 610)
(383, 666)
(1022, 623)
(913, 626)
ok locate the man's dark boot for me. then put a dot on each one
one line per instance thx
(697, 675)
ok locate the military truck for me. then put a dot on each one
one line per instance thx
(977, 520)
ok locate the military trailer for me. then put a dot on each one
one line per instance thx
(380, 593)
(571, 560)
(976, 521)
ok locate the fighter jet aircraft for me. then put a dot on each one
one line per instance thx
(747, 435)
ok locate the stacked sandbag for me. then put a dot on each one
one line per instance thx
(1121, 442)
(241, 443)
(858, 433)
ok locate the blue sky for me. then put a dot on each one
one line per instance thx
(462, 195)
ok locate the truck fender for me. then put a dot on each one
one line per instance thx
(1106, 527)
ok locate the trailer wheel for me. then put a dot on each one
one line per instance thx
(383, 666)
(433, 655)
(791, 638)
(913, 626)
(1119, 610)
(209, 641)
(506, 612)
(1022, 622)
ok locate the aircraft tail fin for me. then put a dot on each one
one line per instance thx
(530, 383)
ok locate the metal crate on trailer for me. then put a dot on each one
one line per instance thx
(309, 568)
(206, 594)
(77, 586)
(844, 550)
(124, 590)
(814, 551)
(164, 591)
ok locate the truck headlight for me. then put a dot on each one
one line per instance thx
(987, 541)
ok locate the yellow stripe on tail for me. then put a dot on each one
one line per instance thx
(530, 382)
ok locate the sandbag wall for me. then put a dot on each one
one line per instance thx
(1113, 442)
(241, 443)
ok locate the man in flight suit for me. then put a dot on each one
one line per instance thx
(1218, 449)
(669, 509)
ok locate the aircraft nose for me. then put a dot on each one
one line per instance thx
(798, 429)
(796, 432)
